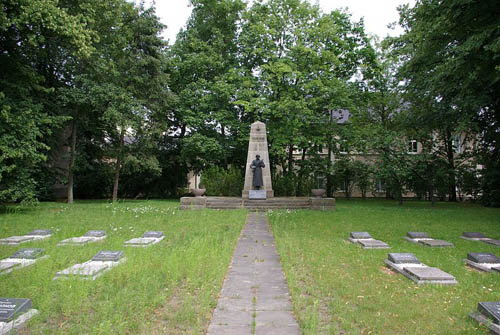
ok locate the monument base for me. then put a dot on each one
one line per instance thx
(320, 204)
(246, 194)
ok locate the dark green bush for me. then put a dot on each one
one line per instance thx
(220, 182)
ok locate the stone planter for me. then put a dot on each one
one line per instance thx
(318, 192)
(198, 192)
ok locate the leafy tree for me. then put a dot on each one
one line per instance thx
(450, 59)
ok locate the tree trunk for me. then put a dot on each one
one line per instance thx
(301, 172)
(290, 159)
(452, 189)
(329, 181)
(71, 163)
(400, 194)
(118, 166)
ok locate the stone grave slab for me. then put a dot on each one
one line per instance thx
(40, 232)
(28, 253)
(491, 310)
(358, 235)
(473, 236)
(6, 267)
(431, 275)
(108, 256)
(14, 240)
(483, 261)
(95, 233)
(153, 234)
(488, 314)
(10, 308)
(417, 234)
(21, 259)
(436, 243)
(143, 241)
(403, 258)
(483, 257)
(77, 240)
(493, 242)
(373, 244)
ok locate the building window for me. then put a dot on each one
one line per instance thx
(379, 186)
(412, 147)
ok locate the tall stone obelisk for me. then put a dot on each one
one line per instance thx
(258, 146)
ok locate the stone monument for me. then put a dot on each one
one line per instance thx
(258, 146)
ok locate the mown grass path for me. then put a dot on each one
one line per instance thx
(339, 288)
(168, 288)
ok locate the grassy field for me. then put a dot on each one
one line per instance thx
(168, 288)
(340, 288)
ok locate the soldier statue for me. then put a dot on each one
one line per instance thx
(256, 166)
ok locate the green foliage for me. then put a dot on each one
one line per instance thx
(220, 182)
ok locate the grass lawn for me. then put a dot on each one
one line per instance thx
(168, 288)
(340, 288)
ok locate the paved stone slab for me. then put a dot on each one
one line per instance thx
(153, 234)
(428, 273)
(255, 292)
(40, 232)
(7, 267)
(143, 241)
(473, 235)
(436, 243)
(89, 270)
(82, 240)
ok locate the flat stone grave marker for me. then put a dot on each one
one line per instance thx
(373, 244)
(436, 243)
(491, 310)
(403, 258)
(428, 274)
(95, 233)
(28, 253)
(417, 234)
(16, 239)
(358, 235)
(153, 234)
(493, 242)
(483, 257)
(108, 256)
(488, 314)
(7, 266)
(40, 232)
(103, 261)
(11, 308)
(473, 235)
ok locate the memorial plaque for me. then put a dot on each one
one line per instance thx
(483, 257)
(436, 243)
(403, 258)
(28, 253)
(373, 244)
(108, 256)
(40, 232)
(491, 310)
(493, 242)
(11, 308)
(358, 235)
(87, 269)
(257, 194)
(473, 235)
(95, 233)
(428, 273)
(153, 234)
(417, 234)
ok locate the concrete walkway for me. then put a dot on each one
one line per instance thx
(255, 298)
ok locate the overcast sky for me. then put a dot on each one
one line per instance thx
(377, 14)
